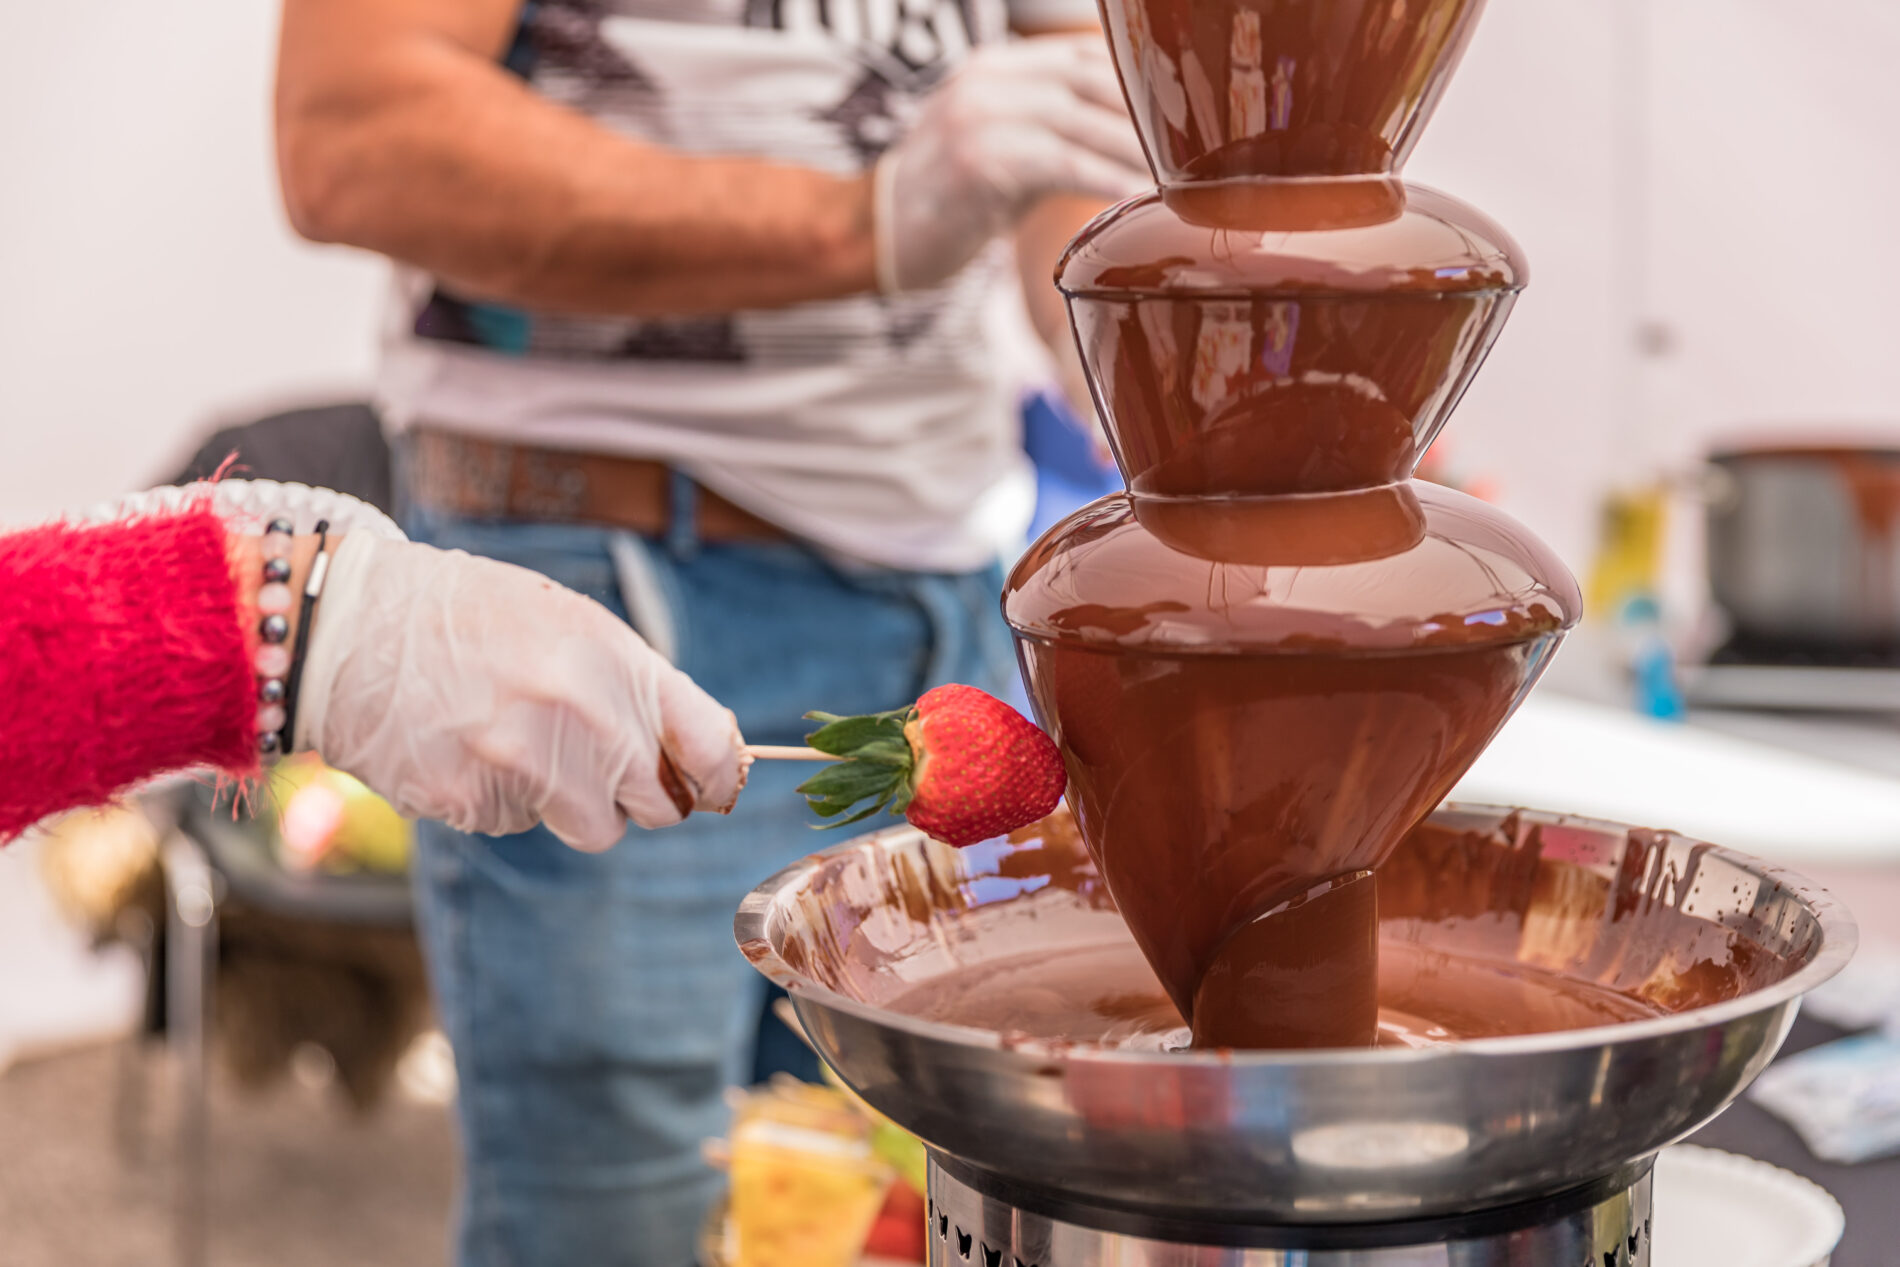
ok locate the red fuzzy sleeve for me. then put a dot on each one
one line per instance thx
(122, 656)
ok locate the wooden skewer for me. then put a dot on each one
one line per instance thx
(786, 752)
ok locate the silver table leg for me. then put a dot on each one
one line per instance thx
(135, 930)
(191, 953)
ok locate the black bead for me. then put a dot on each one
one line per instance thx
(277, 569)
(270, 690)
(274, 628)
(269, 743)
(281, 525)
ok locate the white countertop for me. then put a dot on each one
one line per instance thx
(1791, 790)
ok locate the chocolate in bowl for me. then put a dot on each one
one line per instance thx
(1720, 946)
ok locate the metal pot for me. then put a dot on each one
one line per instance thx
(1804, 543)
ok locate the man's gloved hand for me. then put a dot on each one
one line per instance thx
(1014, 124)
(488, 697)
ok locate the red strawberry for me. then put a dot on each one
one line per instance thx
(961, 765)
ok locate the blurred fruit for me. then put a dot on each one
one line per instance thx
(902, 1151)
(325, 817)
(372, 833)
(898, 1233)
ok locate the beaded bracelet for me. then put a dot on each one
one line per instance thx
(278, 667)
(312, 590)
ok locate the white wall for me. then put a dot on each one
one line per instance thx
(1773, 145)
(147, 280)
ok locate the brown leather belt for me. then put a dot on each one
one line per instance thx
(493, 479)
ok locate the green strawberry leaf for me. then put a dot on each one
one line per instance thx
(900, 799)
(885, 752)
(852, 780)
(858, 817)
(875, 765)
(846, 736)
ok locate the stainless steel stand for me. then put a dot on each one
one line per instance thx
(978, 1220)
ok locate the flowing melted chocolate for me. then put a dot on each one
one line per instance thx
(1304, 974)
(1237, 732)
(1211, 788)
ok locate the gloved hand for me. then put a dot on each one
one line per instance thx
(1014, 124)
(488, 697)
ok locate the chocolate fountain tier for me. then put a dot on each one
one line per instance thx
(1284, 336)
(1372, 236)
(1711, 948)
(1255, 696)
(1402, 568)
(1223, 88)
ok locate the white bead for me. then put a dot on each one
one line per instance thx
(274, 599)
(270, 717)
(272, 661)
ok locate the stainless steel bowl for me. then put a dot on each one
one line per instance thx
(1311, 1136)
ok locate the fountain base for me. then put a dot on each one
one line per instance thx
(979, 1218)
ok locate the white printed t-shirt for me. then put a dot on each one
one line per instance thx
(881, 428)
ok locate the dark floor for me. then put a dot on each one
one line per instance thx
(295, 1181)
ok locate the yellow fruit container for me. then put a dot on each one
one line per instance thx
(806, 1183)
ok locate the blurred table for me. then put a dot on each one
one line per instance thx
(1586, 669)
(1864, 741)
(1867, 1192)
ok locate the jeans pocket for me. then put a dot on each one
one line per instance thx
(649, 592)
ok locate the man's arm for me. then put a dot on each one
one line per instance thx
(1040, 240)
(397, 131)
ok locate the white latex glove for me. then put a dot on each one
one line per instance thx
(488, 697)
(1016, 123)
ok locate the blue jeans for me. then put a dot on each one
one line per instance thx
(596, 1004)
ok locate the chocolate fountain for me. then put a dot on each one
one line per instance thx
(1273, 655)
(1250, 1000)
